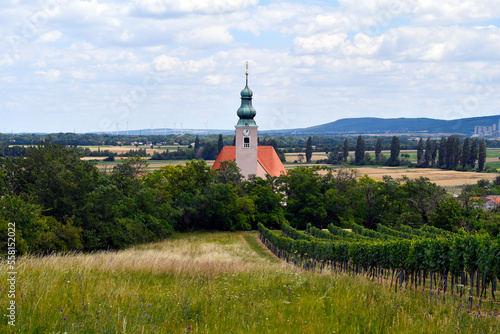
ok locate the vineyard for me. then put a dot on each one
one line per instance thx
(435, 260)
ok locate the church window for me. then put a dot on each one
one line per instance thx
(246, 142)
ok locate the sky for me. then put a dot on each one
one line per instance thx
(108, 65)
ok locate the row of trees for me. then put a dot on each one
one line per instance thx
(60, 202)
(450, 153)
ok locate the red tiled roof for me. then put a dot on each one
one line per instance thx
(269, 160)
(228, 153)
(495, 200)
(266, 157)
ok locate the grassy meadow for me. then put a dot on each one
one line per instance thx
(219, 283)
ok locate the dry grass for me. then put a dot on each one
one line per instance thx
(191, 254)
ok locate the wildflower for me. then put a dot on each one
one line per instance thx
(189, 327)
(21, 326)
(83, 303)
(98, 312)
(64, 318)
(62, 310)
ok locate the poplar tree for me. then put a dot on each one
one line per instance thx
(345, 150)
(309, 149)
(197, 147)
(420, 152)
(359, 152)
(428, 152)
(220, 144)
(450, 142)
(456, 152)
(434, 152)
(473, 153)
(481, 159)
(378, 149)
(395, 148)
(465, 153)
(442, 152)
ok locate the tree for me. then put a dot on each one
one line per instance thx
(473, 153)
(442, 152)
(220, 144)
(434, 152)
(450, 142)
(300, 157)
(309, 149)
(209, 151)
(395, 149)
(420, 153)
(345, 150)
(359, 152)
(428, 152)
(465, 158)
(456, 152)
(197, 148)
(378, 149)
(481, 160)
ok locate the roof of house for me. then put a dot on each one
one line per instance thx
(494, 199)
(266, 157)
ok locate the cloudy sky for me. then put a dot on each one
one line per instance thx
(103, 65)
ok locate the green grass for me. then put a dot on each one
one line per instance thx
(216, 283)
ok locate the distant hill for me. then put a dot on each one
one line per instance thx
(368, 125)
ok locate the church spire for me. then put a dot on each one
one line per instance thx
(246, 112)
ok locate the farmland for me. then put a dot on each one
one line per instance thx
(218, 283)
(438, 176)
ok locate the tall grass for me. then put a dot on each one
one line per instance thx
(217, 283)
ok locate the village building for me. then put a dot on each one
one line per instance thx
(488, 202)
(251, 158)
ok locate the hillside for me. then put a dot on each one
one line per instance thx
(216, 283)
(400, 125)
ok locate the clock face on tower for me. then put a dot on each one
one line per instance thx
(246, 132)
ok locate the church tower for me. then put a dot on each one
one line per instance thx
(252, 159)
(246, 133)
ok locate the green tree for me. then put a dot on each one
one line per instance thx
(209, 151)
(309, 149)
(448, 214)
(442, 152)
(395, 149)
(434, 152)
(220, 144)
(481, 159)
(450, 143)
(473, 153)
(345, 150)
(428, 153)
(197, 152)
(305, 199)
(378, 149)
(465, 158)
(420, 153)
(456, 153)
(359, 152)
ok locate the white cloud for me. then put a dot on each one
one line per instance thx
(169, 7)
(49, 37)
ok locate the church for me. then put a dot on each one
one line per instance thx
(251, 158)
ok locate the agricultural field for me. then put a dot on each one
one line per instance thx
(438, 176)
(219, 283)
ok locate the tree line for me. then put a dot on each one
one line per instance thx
(60, 202)
(450, 153)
